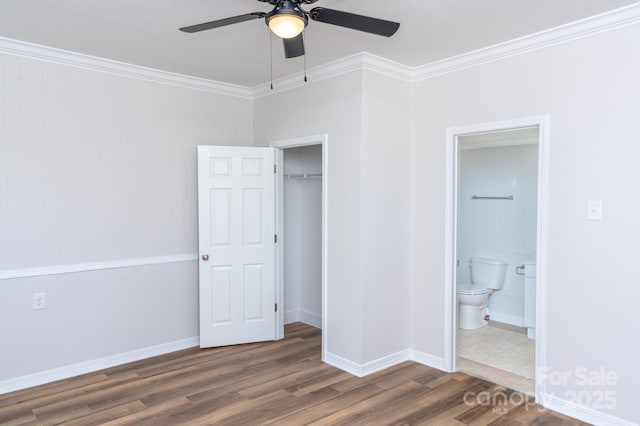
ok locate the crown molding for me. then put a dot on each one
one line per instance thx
(357, 62)
(608, 21)
(80, 60)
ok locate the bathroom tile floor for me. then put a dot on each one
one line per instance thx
(500, 353)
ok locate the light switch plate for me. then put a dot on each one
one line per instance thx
(39, 301)
(594, 210)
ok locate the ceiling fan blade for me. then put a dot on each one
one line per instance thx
(293, 47)
(355, 22)
(223, 22)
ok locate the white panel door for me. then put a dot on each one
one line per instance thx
(236, 215)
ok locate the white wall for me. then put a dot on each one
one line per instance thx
(365, 117)
(303, 236)
(385, 216)
(501, 229)
(333, 107)
(589, 87)
(94, 168)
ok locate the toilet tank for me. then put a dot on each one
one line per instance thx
(489, 273)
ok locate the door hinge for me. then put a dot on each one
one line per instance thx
(276, 307)
(275, 238)
(275, 169)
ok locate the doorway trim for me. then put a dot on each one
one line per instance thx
(451, 194)
(280, 145)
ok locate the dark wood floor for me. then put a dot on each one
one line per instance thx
(279, 383)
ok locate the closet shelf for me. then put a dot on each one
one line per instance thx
(478, 197)
(304, 176)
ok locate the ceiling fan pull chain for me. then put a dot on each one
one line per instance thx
(271, 58)
(305, 58)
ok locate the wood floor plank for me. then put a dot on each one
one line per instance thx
(256, 389)
(100, 417)
(395, 409)
(406, 371)
(359, 413)
(151, 413)
(68, 386)
(341, 401)
(267, 383)
(18, 420)
(445, 417)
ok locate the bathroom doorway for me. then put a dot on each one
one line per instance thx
(495, 203)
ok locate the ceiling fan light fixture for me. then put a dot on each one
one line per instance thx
(286, 25)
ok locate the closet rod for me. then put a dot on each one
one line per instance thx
(477, 197)
(304, 176)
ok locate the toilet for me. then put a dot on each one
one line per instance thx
(487, 276)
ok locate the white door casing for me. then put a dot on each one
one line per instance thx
(450, 302)
(236, 219)
(322, 139)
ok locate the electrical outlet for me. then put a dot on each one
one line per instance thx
(38, 301)
(594, 210)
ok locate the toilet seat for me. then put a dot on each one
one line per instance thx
(470, 289)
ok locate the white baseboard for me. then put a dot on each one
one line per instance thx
(385, 362)
(506, 319)
(300, 315)
(361, 370)
(427, 359)
(582, 413)
(342, 363)
(65, 372)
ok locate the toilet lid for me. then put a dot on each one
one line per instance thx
(471, 289)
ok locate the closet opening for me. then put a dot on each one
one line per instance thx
(301, 233)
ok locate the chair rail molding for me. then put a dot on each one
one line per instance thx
(8, 274)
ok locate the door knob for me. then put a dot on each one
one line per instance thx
(205, 257)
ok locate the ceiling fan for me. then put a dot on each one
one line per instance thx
(288, 19)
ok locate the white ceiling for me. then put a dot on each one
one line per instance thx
(145, 32)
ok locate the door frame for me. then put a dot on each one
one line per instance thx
(280, 145)
(451, 196)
